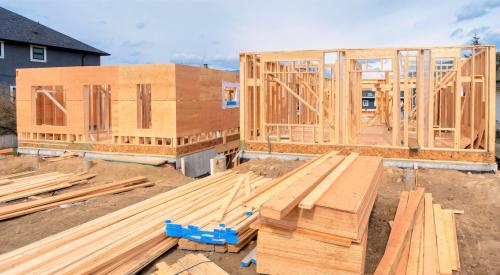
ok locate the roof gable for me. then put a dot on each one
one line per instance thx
(16, 27)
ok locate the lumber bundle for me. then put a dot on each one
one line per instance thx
(244, 239)
(20, 209)
(222, 218)
(191, 264)
(125, 241)
(423, 238)
(318, 223)
(16, 188)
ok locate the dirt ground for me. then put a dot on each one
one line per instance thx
(475, 193)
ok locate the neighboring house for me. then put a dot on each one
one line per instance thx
(368, 100)
(25, 43)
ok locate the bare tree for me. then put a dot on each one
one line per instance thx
(7, 112)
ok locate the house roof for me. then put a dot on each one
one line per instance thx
(18, 28)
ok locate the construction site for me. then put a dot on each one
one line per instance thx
(336, 161)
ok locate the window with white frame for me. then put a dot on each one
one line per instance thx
(12, 92)
(38, 53)
(2, 50)
(365, 103)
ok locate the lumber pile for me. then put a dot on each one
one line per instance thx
(20, 209)
(191, 264)
(65, 155)
(222, 218)
(13, 188)
(423, 238)
(125, 241)
(316, 220)
(244, 238)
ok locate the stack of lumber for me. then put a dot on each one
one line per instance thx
(423, 238)
(16, 188)
(65, 155)
(125, 241)
(222, 218)
(191, 264)
(20, 209)
(316, 221)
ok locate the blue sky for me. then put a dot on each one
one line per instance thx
(214, 32)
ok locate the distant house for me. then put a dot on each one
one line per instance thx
(25, 43)
(368, 100)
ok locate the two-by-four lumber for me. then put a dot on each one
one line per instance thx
(415, 258)
(402, 232)
(282, 203)
(430, 250)
(441, 241)
(309, 201)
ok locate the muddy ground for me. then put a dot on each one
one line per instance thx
(475, 193)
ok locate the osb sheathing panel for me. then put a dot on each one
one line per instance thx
(199, 100)
(446, 155)
(162, 81)
(73, 79)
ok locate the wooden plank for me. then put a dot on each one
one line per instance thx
(284, 202)
(309, 201)
(414, 266)
(445, 266)
(398, 217)
(451, 239)
(430, 249)
(402, 231)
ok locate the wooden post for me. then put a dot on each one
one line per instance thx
(243, 101)
(431, 103)
(420, 99)
(336, 95)
(491, 96)
(406, 106)
(396, 109)
(321, 99)
(458, 104)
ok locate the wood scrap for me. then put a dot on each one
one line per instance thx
(39, 204)
(191, 264)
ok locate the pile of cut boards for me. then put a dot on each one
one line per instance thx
(39, 204)
(191, 264)
(13, 187)
(125, 241)
(423, 238)
(316, 221)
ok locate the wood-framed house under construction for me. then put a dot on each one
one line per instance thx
(168, 109)
(431, 102)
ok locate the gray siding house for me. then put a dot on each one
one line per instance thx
(25, 43)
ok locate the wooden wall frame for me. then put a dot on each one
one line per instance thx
(430, 98)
